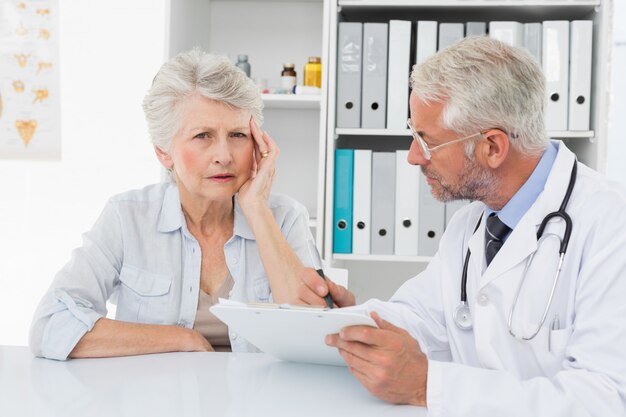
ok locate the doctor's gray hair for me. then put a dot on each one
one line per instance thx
(486, 84)
(196, 72)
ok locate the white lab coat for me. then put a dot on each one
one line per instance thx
(487, 372)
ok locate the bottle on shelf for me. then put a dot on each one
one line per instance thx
(243, 64)
(313, 72)
(288, 77)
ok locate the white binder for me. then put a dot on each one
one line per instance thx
(511, 33)
(349, 49)
(449, 34)
(580, 74)
(398, 74)
(431, 215)
(452, 207)
(475, 29)
(426, 40)
(374, 69)
(407, 200)
(555, 61)
(383, 199)
(532, 39)
(362, 206)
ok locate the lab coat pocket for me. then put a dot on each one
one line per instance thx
(144, 297)
(549, 347)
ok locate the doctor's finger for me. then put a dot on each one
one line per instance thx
(385, 325)
(372, 372)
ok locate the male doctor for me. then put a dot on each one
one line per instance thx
(499, 344)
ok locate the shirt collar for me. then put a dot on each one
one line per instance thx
(526, 196)
(172, 217)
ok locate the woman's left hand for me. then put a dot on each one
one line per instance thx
(255, 192)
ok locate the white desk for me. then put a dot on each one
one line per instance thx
(182, 384)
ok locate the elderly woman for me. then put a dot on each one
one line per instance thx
(165, 253)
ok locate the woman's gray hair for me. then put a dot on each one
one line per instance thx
(196, 72)
(486, 84)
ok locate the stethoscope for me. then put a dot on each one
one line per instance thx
(462, 314)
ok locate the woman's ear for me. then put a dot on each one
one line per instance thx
(164, 157)
(496, 147)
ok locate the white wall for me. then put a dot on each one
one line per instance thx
(616, 168)
(109, 53)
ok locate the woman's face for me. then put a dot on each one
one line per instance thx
(212, 153)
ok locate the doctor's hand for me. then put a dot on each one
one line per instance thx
(387, 361)
(314, 288)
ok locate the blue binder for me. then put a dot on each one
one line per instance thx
(342, 216)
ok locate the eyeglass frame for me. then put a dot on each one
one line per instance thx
(428, 151)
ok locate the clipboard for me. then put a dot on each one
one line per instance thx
(290, 332)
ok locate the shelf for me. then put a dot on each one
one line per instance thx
(466, 10)
(291, 101)
(379, 258)
(372, 132)
(564, 134)
(468, 3)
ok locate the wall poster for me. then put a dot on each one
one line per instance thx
(30, 116)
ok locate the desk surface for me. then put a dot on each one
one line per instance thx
(182, 384)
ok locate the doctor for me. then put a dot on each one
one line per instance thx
(510, 336)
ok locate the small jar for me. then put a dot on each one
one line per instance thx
(313, 72)
(242, 63)
(288, 77)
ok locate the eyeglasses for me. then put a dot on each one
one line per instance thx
(428, 151)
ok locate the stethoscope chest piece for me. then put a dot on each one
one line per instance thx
(463, 316)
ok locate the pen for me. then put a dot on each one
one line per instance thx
(328, 298)
(554, 326)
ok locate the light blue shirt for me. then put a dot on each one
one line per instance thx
(141, 256)
(526, 196)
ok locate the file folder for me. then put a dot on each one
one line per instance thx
(374, 70)
(398, 78)
(511, 33)
(431, 215)
(426, 44)
(532, 39)
(349, 49)
(475, 29)
(555, 61)
(449, 34)
(580, 74)
(383, 198)
(407, 200)
(289, 332)
(362, 202)
(342, 216)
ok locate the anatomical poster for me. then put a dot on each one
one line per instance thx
(30, 116)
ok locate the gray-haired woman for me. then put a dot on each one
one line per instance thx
(165, 253)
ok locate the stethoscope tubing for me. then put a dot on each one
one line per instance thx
(560, 213)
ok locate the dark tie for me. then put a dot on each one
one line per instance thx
(495, 231)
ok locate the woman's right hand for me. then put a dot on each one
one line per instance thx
(314, 288)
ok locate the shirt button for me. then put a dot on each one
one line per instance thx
(190, 289)
(234, 260)
(483, 300)
(230, 293)
(233, 335)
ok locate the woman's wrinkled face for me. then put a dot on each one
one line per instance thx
(211, 156)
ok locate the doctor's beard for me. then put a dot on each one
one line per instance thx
(473, 183)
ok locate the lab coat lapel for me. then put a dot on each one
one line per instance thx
(523, 239)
